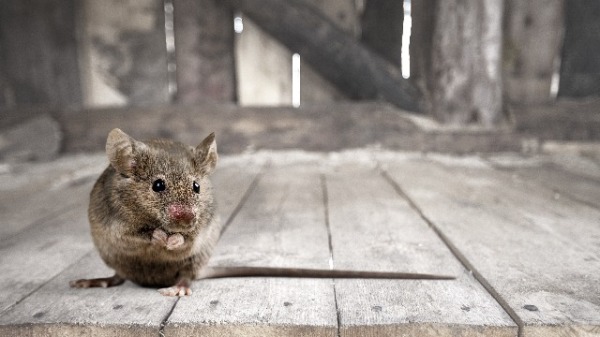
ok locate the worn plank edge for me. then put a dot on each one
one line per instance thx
(457, 253)
(439, 329)
(165, 322)
(74, 329)
(258, 329)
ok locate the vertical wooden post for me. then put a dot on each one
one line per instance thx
(204, 42)
(580, 69)
(264, 68)
(313, 87)
(382, 24)
(423, 14)
(466, 84)
(39, 53)
(124, 52)
(532, 40)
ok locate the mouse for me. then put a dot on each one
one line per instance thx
(153, 219)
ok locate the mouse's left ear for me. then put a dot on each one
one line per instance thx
(206, 155)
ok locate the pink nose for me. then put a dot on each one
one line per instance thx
(180, 212)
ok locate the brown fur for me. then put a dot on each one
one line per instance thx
(125, 213)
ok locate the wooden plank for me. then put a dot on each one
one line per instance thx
(231, 181)
(256, 307)
(204, 39)
(35, 193)
(566, 120)
(562, 182)
(392, 236)
(58, 310)
(35, 256)
(458, 307)
(123, 52)
(38, 138)
(39, 63)
(51, 231)
(373, 228)
(282, 224)
(543, 249)
(35, 296)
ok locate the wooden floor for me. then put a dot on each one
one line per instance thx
(520, 236)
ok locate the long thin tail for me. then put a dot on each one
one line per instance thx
(223, 272)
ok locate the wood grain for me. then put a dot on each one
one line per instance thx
(282, 224)
(35, 256)
(392, 235)
(564, 183)
(373, 228)
(537, 253)
(56, 309)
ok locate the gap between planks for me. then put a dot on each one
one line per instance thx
(338, 314)
(230, 218)
(456, 252)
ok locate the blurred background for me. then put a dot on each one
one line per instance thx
(425, 75)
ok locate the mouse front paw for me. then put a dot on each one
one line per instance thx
(170, 242)
(175, 241)
(159, 237)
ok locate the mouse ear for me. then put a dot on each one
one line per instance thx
(120, 148)
(206, 155)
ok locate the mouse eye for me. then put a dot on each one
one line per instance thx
(158, 185)
(196, 187)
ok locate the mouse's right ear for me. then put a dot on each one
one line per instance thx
(120, 148)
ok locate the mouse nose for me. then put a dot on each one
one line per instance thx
(179, 212)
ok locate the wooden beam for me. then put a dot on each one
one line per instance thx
(382, 25)
(532, 40)
(204, 41)
(465, 72)
(123, 53)
(423, 15)
(38, 53)
(580, 68)
(353, 68)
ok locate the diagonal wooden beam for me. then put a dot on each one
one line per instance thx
(352, 67)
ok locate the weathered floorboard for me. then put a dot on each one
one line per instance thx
(58, 310)
(35, 297)
(392, 237)
(256, 307)
(534, 257)
(537, 254)
(38, 254)
(33, 194)
(562, 182)
(282, 224)
(458, 307)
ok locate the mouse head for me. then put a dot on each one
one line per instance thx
(163, 183)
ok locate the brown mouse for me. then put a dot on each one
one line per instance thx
(152, 212)
(152, 216)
